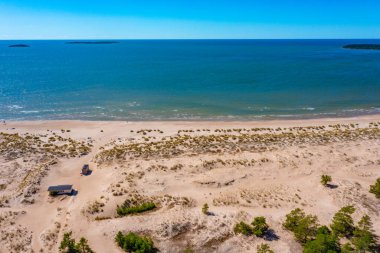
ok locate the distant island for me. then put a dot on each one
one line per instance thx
(92, 42)
(19, 45)
(363, 46)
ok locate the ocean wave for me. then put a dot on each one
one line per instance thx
(27, 112)
(133, 104)
(267, 108)
(359, 110)
(179, 113)
(14, 107)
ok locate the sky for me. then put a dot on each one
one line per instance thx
(191, 19)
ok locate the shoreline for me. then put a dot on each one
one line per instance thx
(210, 118)
(318, 121)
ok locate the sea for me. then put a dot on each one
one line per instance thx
(187, 80)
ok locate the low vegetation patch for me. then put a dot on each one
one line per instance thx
(14, 146)
(258, 227)
(325, 180)
(205, 209)
(132, 242)
(323, 239)
(304, 227)
(68, 245)
(129, 207)
(264, 248)
(375, 188)
(234, 140)
(243, 228)
(95, 207)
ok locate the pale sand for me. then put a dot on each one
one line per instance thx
(281, 179)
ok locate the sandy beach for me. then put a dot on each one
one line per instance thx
(240, 169)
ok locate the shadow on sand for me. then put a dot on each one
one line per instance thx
(332, 186)
(270, 235)
(89, 172)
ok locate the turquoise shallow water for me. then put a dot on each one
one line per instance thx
(188, 79)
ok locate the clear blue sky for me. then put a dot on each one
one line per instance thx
(155, 19)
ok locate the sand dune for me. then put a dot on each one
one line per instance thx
(241, 169)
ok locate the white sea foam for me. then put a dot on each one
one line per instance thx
(27, 112)
(14, 107)
(133, 104)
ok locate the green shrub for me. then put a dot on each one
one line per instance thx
(304, 227)
(293, 219)
(264, 248)
(259, 226)
(346, 248)
(83, 246)
(125, 210)
(363, 239)
(68, 245)
(325, 179)
(243, 228)
(342, 223)
(132, 242)
(375, 188)
(323, 230)
(205, 209)
(324, 242)
(188, 249)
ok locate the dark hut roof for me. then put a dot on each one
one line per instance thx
(64, 187)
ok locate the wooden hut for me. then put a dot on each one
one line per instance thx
(60, 189)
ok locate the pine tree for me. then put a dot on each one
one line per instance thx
(67, 244)
(303, 226)
(375, 188)
(342, 223)
(363, 238)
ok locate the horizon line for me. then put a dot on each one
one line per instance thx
(193, 39)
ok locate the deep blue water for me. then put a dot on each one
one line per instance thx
(188, 79)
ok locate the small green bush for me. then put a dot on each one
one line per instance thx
(325, 179)
(346, 248)
(293, 218)
(132, 242)
(264, 248)
(375, 188)
(205, 209)
(243, 228)
(259, 226)
(68, 245)
(304, 227)
(188, 249)
(125, 210)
